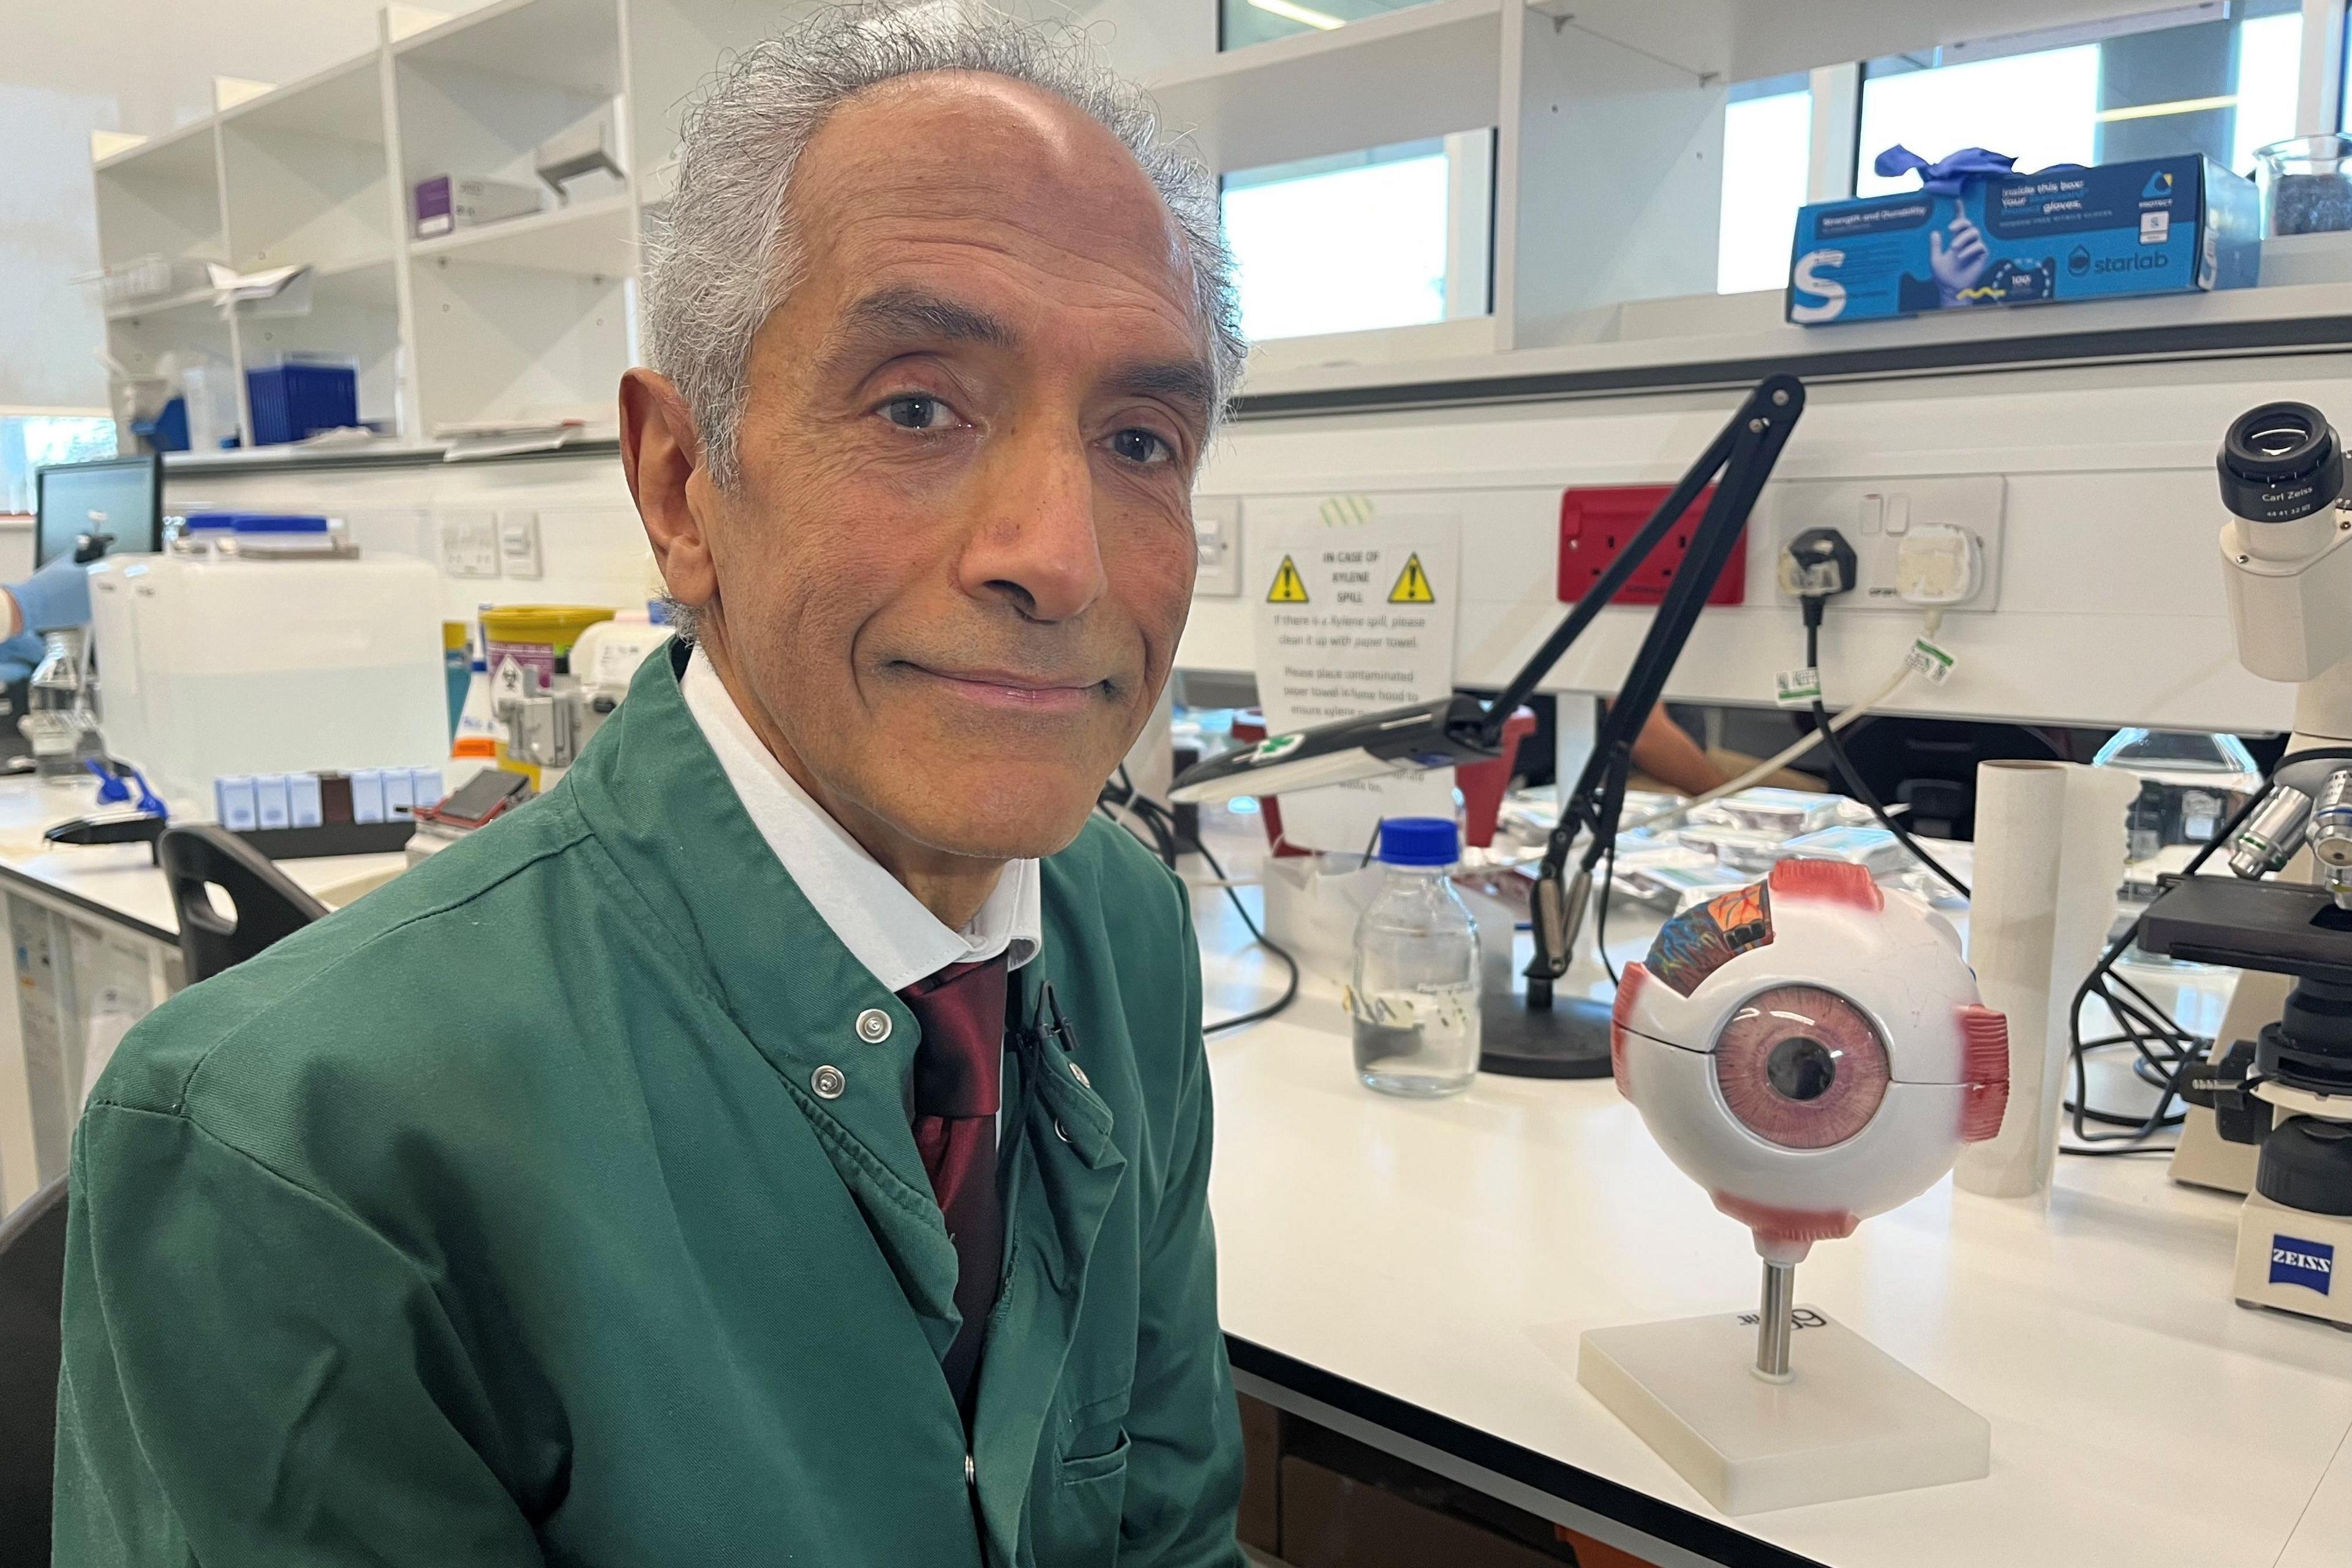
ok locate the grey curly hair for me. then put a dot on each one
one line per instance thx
(726, 252)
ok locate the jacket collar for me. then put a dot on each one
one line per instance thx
(884, 926)
(653, 795)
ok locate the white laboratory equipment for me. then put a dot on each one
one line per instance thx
(268, 645)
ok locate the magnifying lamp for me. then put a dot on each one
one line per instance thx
(1539, 1039)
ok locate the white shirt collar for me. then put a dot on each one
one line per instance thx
(885, 927)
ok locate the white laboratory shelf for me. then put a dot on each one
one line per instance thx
(1400, 77)
(168, 304)
(589, 239)
(561, 43)
(342, 103)
(1599, 107)
(183, 153)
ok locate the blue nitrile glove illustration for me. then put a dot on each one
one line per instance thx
(56, 595)
(1957, 266)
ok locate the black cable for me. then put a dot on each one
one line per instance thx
(1161, 823)
(1290, 991)
(1842, 765)
(1853, 784)
(2140, 1019)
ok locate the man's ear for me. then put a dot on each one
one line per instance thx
(661, 453)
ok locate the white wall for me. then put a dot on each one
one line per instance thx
(2110, 603)
(2110, 600)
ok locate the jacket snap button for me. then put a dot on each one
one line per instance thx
(1080, 1074)
(971, 1472)
(874, 1026)
(1060, 1131)
(828, 1082)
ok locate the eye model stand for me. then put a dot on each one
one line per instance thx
(1534, 1033)
(1782, 1408)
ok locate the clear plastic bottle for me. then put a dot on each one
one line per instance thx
(1415, 996)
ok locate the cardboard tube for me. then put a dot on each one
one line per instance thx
(2049, 854)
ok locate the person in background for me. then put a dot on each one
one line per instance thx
(1666, 752)
(788, 1139)
(54, 597)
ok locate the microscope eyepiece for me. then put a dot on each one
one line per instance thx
(2279, 462)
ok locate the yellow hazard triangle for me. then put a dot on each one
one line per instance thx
(1412, 585)
(1288, 588)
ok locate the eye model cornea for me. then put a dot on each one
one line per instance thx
(1802, 1068)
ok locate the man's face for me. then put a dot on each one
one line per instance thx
(959, 553)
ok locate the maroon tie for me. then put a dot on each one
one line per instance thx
(958, 1073)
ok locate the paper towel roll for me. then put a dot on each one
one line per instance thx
(2049, 853)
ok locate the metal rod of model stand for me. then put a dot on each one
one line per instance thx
(1775, 1321)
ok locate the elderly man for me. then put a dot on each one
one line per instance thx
(786, 1142)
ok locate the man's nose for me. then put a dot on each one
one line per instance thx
(1037, 547)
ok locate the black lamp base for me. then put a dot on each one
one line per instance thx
(1571, 1039)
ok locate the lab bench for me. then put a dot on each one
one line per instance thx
(95, 947)
(1414, 1275)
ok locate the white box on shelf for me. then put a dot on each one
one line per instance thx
(445, 203)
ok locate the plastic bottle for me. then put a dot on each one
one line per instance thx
(1415, 994)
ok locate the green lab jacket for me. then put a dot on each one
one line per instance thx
(517, 1215)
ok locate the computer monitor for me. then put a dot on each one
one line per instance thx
(119, 496)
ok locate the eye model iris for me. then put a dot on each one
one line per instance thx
(1802, 1067)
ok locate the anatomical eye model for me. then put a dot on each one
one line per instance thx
(1811, 1051)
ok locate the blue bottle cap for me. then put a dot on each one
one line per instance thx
(1420, 841)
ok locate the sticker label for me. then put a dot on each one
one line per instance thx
(1925, 658)
(1412, 585)
(1704, 938)
(1289, 588)
(1273, 748)
(1796, 687)
(2310, 1264)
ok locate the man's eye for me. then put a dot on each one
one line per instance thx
(1141, 446)
(919, 413)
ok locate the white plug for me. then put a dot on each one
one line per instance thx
(1937, 563)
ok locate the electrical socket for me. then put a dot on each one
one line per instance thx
(1217, 534)
(469, 543)
(1876, 516)
(1596, 522)
(518, 543)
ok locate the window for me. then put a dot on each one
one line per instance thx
(1392, 237)
(1246, 22)
(1768, 144)
(30, 442)
(2221, 83)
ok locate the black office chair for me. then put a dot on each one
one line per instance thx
(32, 1283)
(270, 907)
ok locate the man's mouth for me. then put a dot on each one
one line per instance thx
(1016, 692)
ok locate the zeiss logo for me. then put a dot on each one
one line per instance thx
(2295, 1261)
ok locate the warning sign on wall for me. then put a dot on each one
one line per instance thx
(1289, 588)
(1356, 618)
(1412, 585)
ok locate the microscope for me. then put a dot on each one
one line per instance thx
(2272, 1106)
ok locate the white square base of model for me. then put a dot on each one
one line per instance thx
(1850, 1422)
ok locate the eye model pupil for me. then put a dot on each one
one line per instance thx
(1801, 1067)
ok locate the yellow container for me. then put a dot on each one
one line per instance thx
(538, 637)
